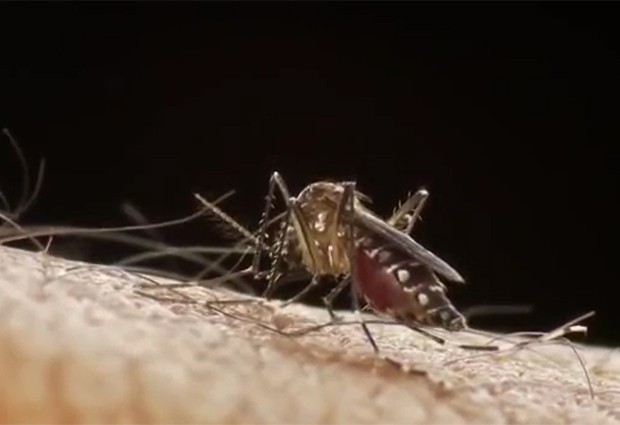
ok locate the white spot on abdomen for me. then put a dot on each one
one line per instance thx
(402, 275)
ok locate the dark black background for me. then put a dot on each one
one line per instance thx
(505, 112)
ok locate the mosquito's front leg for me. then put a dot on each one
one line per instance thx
(275, 271)
(345, 206)
(302, 230)
(262, 227)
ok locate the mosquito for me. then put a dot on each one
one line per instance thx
(327, 231)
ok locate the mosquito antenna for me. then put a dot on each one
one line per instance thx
(137, 216)
(235, 225)
(226, 219)
(210, 207)
(218, 213)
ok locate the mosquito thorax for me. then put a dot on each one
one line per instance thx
(318, 204)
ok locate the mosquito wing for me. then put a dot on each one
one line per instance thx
(404, 242)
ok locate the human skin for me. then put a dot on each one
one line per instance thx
(85, 346)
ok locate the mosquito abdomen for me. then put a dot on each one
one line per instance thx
(402, 287)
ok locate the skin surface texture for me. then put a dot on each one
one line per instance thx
(84, 346)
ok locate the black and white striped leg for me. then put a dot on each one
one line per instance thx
(303, 232)
(405, 217)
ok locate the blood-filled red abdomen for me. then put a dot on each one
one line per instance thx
(377, 285)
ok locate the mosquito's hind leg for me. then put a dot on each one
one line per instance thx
(408, 213)
(357, 309)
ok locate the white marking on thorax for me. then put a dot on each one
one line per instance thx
(320, 223)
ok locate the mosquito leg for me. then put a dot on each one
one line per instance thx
(313, 283)
(356, 308)
(408, 213)
(328, 300)
(276, 253)
(302, 231)
(369, 337)
(302, 238)
(349, 238)
(437, 339)
(343, 218)
(262, 226)
(345, 205)
(274, 272)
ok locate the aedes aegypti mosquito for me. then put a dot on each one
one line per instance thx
(327, 231)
